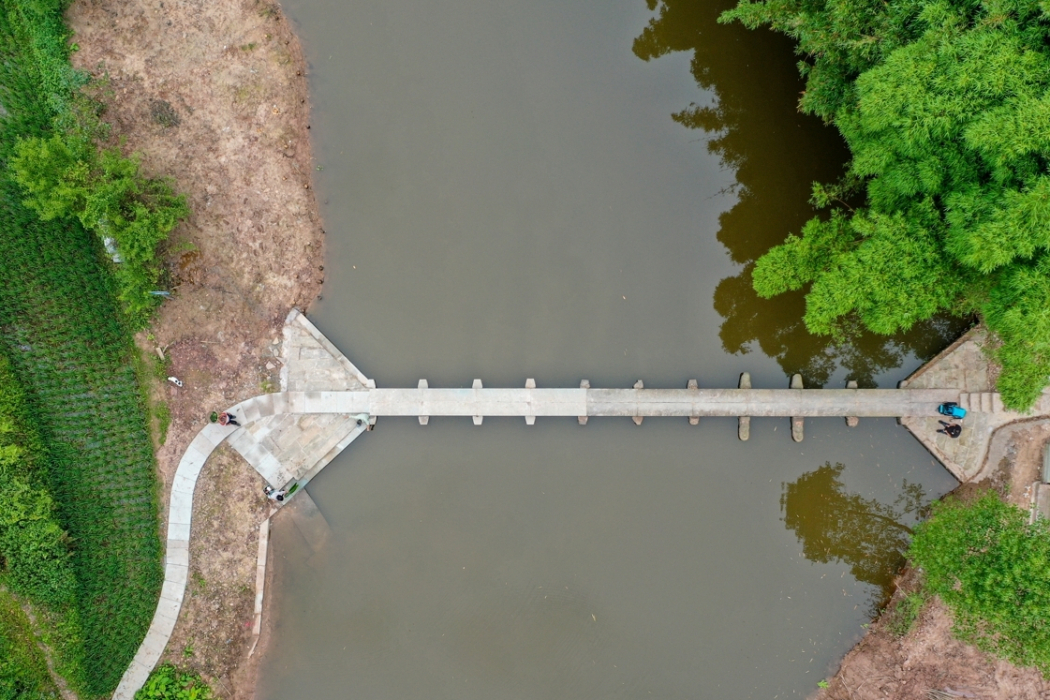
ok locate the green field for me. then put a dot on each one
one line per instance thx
(69, 345)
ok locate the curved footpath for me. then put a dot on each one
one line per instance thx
(326, 403)
(176, 559)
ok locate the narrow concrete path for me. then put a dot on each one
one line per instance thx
(176, 559)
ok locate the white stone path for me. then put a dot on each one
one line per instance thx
(289, 436)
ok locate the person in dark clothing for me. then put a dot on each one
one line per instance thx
(952, 430)
(228, 419)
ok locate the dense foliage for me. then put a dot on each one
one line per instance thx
(945, 106)
(753, 126)
(34, 554)
(989, 566)
(68, 343)
(169, 683)
(106, 192)
(23, 670)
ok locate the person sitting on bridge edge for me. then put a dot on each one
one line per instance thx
(228, 419)
(274, 494)
(952, 430)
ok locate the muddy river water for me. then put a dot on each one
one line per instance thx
(507, 195)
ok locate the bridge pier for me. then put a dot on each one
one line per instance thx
(423, 420)
(797, 422)
(638, 385)
(695, 418)
(584, 384)
(743, 426)
(852, 421)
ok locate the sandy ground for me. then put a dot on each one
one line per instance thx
(214, 95)
(929, 658)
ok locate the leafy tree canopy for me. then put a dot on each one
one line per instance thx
(945, 106)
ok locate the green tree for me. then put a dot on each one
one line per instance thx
(66, 177)
(989, 566)
(945, 107)
(753, 126)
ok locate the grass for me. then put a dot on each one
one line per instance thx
(74, 357)
(70, 348)
(162, 418)
(905, 613)
(23, 668)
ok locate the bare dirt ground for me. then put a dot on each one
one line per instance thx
(215, 625)
(929, 658)
(214, 95)
(928, 663)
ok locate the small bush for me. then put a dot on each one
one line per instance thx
(169, 683)
(164, 114)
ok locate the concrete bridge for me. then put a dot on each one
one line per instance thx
(326, 402)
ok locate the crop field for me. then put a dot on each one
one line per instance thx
(61, 329)
(64, 334)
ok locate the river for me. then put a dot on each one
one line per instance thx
(506, 195)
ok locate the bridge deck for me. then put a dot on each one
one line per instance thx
(622, 402)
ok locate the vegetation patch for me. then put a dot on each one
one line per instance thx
(945, 205)
(905, 613)
(67, 307)
(167, 682)
(23, 668)
(988, 564)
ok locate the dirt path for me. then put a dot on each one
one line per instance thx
(214, 95)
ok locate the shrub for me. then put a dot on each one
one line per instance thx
(108, 195)
(169, 683)
(34, 556)
(989, 566)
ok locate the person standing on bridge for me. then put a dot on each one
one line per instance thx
(952, 430)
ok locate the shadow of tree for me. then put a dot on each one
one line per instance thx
(832, 525)
(754, 126)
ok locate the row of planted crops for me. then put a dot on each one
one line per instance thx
(79, 537)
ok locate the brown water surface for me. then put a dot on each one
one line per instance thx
(507, 196)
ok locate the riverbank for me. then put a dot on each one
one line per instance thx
(893, 661)
(215, 96)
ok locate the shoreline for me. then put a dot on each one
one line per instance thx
(253, 248)
(238, 146)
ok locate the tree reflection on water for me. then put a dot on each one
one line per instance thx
(833, 525)
(754, 126)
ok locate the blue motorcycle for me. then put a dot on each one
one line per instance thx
(952, 410)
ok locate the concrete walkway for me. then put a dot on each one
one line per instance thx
(326, 403)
